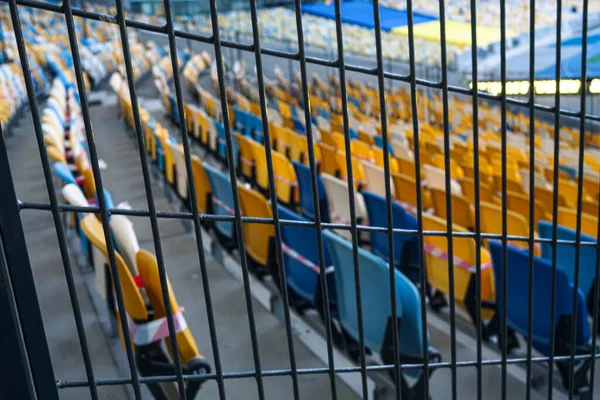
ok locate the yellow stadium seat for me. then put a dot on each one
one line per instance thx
(329, 164)
(282, 139)
(246, 156)
(592, 186)
(519, 203)
(546, 197)
(134, 304)
(358, 173)
(260, 165)
(286, 182)
(568, 217)
(202, 185)
(462, 213)
(299, 150)
(516, 225)
(485, 192)
(257, 237)
(590, 207)
(568, 190)
(456, 172)
(378, 158)
(406, 191)
(513, 184)
(55, 154)
(361, 150)
(89, 184)
(465, 250)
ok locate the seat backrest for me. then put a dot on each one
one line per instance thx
(134, 304)
(329, 163)
(401, 219)
(491, 222)
(122, 229)
(148, 266)
(568, 218)
(358, 173)
(260, 164)
(436, 257)
(468, 189)
(257, 237)
(405, 189)
(546, 196)
(63, 172)
(222, 199)
(302, 273)
(286, 182)
(375, 178)
(201, 184)
(436, 178)
(246, 161)
(462, 213)
(181, 171)
(565, 254)
(519, 203)
(339, 202)
(74, 196)
(517, 282)
(379, 159)
(305, 189)
(375, 297)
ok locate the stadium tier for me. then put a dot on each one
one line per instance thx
(377, 190)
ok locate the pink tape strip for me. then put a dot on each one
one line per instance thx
(442, 255)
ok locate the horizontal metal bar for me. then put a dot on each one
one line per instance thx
(311, 371)
(266, 221)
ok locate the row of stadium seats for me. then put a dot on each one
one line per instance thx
(145, 310)
(292, 186)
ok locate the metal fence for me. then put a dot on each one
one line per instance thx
(26, 364)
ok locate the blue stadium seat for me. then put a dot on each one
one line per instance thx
(299, 126)
(240, 118)
(565, 255)
(306, 200)
(376, 303)
(222, 144)
(173, 111)
(301, 259)
(379, 143)
(406, 252)
(321, 112)
(64, 173)
(517, 312)
(253, 128)
(222, 199)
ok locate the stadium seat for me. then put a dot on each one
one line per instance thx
(565, 255)
(376, 297)
(301, 259)
(375, 178)
(202, 186)
(339, 203)
(517, 313)
(438, 161)
(64, 173)
(286, 182)
(485, 191)
(436, 178)
(590, 207)
(465, 249)
(358, 173)
(546, 196)
(181, 183)
(306, 198)
(246, 161)
(462, 212)
(222, 204)
(378, 159)
(406, 192)
(222, 143)
(516, 225)
(406, 253)
(519, 203)
(568, 218)
(329, 164)
(259, 238)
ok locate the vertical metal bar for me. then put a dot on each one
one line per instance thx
(417, 155)
(448, 186)
(388, 196)
(352, 205)
(555, 194)
(239, 229)
(55, 214)
(273, 195)
(190, 178)
(580, 173)
(317, 210)
(477, 199)
(531, 196)
(101, 199)
(17, 381)
(503, 321)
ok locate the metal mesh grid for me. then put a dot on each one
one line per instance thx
(41, 370)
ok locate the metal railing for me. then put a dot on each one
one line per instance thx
(26, 359)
